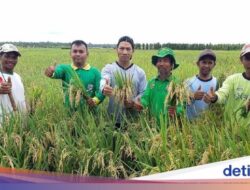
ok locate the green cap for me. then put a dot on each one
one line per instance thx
(164, 52)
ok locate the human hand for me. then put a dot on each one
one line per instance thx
(5, 87)
(137, 104)
(50, 70)
(210, 97)
(91, 103)
(199, 94)
(107, 90)
(172, 111)
(128, 103)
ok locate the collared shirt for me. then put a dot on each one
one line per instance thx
(85, 67)
(17, 92)
(90, 77)
(155, 94)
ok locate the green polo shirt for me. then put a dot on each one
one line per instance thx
(89, 76)
(154, 96)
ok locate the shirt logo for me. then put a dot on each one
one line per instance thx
(239, 93)
(90, 87)
(1, 80)
(152, 85)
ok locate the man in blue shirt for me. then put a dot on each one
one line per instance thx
(202, 83)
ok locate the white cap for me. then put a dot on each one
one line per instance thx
(5, 48)
(245, 50)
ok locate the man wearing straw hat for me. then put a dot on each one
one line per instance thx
(11, 87)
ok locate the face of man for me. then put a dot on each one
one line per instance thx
(124, 52)
(79, 55)
(246, 62)
(206, 65)
(164, 66)
(9, 61)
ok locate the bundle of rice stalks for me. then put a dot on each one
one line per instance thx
(36, 94)
(177, 94)
(124, 87)
(77, 90)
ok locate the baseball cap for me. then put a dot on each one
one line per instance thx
(207, 52)
(245, 50)
(5, 48)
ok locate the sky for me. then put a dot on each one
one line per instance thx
(146, 21)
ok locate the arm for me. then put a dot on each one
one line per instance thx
(142, 84)
(222, 94)
(99, 97)
(143, 101)
(55, 72)
(145, 98)
(5, 88)
(105, 87)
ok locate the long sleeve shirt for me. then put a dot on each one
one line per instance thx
(138, 79)
(234, 92)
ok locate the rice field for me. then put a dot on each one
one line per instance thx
(87, 144)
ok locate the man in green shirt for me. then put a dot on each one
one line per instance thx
(235, 91)
(80, 81)
(155, 94)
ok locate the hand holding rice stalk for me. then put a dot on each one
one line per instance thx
(76, 90)
(177, 94)
(124, 87)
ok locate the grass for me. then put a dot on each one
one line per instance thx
(87, 144)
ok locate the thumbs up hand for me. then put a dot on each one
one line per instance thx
(5, 87)
(210, 97)
(107, 90)
(50, 70)
(198, 94)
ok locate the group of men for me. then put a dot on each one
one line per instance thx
(146, 95)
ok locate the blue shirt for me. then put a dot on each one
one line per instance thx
(197, 106)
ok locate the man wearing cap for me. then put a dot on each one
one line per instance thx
(201, 83)
(11, 87)
(235, 91)
(154, 96)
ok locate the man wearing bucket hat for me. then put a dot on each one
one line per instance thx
(11, 87)
(154, 96)
(235, 91)
(201, 83)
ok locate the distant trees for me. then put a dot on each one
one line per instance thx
(142, 46)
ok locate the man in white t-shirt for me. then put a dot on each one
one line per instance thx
(11, 87)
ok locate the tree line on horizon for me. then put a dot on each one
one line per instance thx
(142, 46)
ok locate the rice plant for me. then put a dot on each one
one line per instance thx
(87, 144)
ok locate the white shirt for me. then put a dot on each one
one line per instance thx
(17, 92)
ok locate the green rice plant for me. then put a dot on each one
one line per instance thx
(86, 143)
(124, 87)
(77, 90)
(177, 94)
(35, 98)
